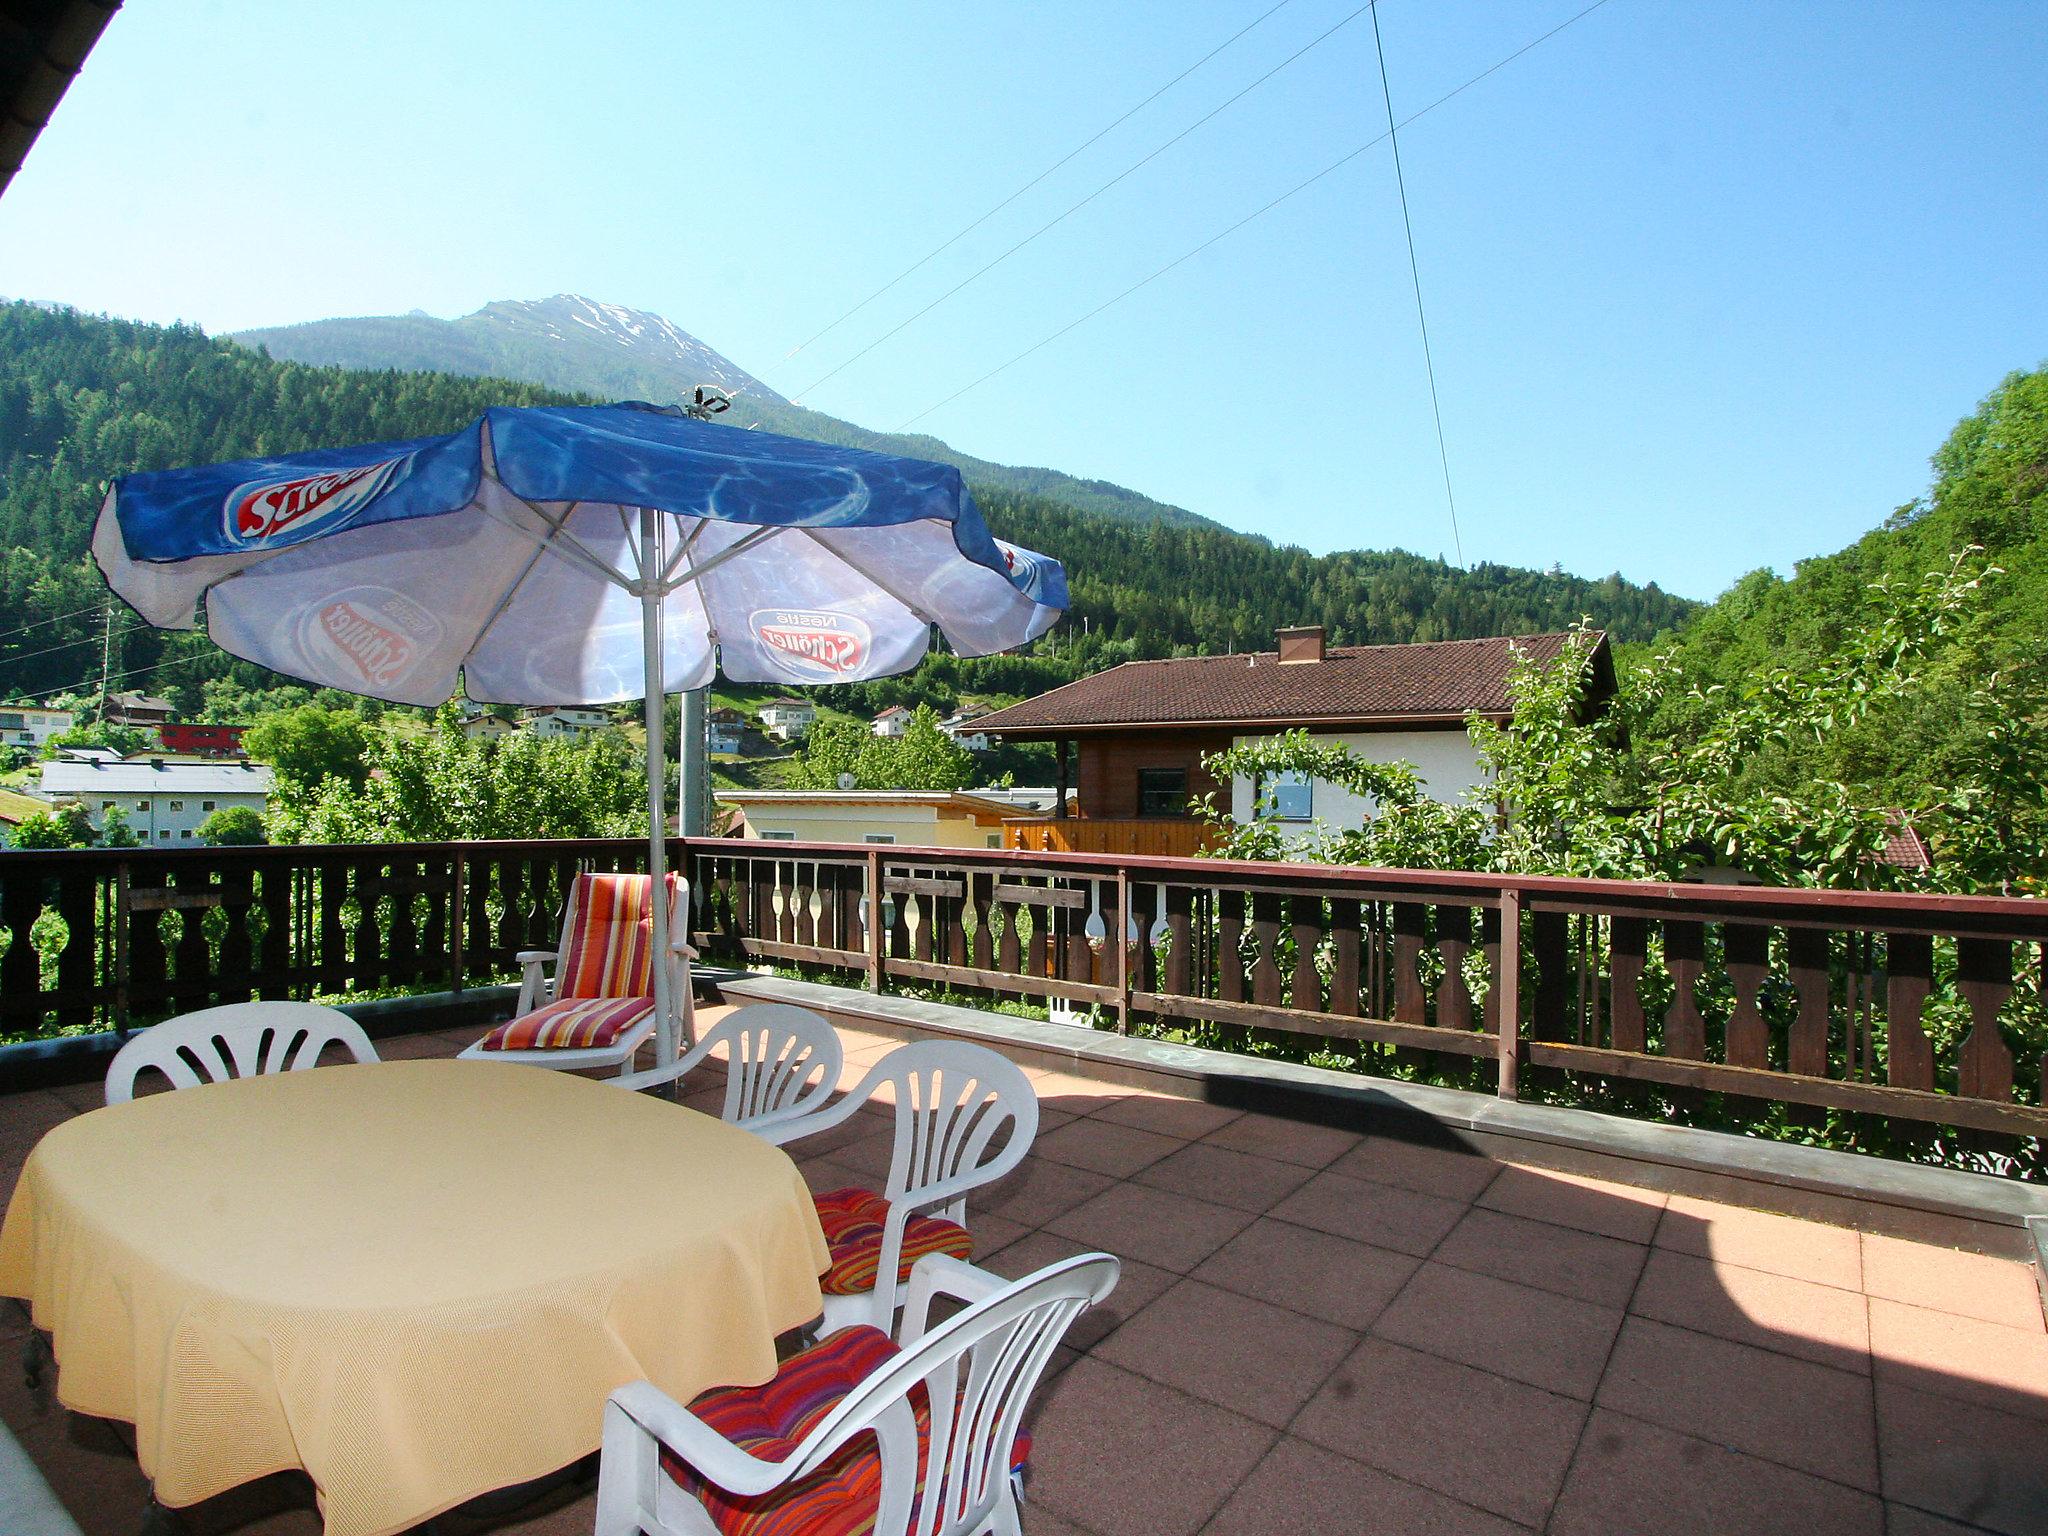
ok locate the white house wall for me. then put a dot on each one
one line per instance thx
(919, 826)
(1446, 760)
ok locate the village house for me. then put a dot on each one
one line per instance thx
(165, 803)
(1139, 732)
(201, 740)
(912, 817)
(788, 719)
(487, 727)
(963, 728)
(25, 725)
(140, 710)
(724, 730)
(891, 722)
(563, 720)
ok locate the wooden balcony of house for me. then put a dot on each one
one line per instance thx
(1352, 1298)
(1151, 836)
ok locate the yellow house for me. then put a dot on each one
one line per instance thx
(913, 817)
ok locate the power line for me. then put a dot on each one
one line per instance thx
(965, 231)
(155, 666)
(1415, 273)
(1128, 170)
(1301, 186)
(53, 619)
(69, 645)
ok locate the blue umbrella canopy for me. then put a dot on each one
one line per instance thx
(511, 555)
(578, 555)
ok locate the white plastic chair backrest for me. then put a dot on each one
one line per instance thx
(781, 1060)
(962, 1112)
(979, 1369)
(235, 1040)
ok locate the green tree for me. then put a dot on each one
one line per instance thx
(66, 827)
(123, 739)
(236, 826)
(923, 757)
(312, 744)
(115, 831)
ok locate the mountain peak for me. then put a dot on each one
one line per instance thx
(570, 322)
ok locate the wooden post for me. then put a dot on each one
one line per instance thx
(458, 910)
(1507, 984)
(874, 924)
(1125, 949)
(1060, 807)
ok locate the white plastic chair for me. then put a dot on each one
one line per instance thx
(978, 1370)
(235, 1040)
(965, 1116)
(784, 1062)
(537, 989)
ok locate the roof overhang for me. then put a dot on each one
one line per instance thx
(43, 44)
(1320, 724)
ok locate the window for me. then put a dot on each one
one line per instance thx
(206, 805)
(1162, 791)
(1293, 796)
(106, 805)
(142, 805)
(878, 837)
(779, 837)
(164, 835)
(177, 805)
(995, 839)
(186, 834)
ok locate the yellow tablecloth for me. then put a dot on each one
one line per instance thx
(416, 1280)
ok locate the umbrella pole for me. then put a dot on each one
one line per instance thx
(657, 821)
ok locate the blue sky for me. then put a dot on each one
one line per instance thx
(1706, 284)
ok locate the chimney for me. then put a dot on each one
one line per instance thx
(1303, 644)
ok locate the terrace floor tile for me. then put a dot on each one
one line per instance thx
(1602, 1270)
(1291, 1141)
(1809, 1417)
(1555, 1342)
(2000, 1367)
(1153, 1226)
(1572, 1200)
(1949, 1280)
(1244, 1355)
(1236, 1179)
(1966, 1462)
(1102, 1146)
(1186, 1118)
(1452, 1172)
(1784, 1245)
(1128, 1457)
(1754, 1306)
(1306, 1270)
(1039, 1190)
(1379, 1214)
(1302, 1488)
(1478, 1437)
(1630, 1477)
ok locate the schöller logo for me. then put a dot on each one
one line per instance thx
(816, 641)
(370, 635)
(282, 511)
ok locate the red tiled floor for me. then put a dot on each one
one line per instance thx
(1229, 1178)
(1754, 1306)
(1245, 1355)
(1550, 1341)
(1480, 1438)
(1946, 1280)
(1305, 1270)
(1630, 1477)
(1793, 1412)
(1380, 1214)
(1552, 1258)
(1225, 1387)
(1569, 1200)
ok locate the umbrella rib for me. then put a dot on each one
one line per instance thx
(675, 561)
(696, 573)
(512, 587)
(840, 554)
(570, 548)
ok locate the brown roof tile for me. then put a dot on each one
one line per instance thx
(1367, 683)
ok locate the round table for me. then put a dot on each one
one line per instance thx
(416, 1280)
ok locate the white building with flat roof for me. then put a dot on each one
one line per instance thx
(24, 725)
(165, 802)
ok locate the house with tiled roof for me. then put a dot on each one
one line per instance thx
(1137, 734)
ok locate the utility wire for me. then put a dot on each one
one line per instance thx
(69, 645)
(1128, 170)
(1415, 274)
(54, 618)
(155, 666)
(944, 246)
(1258, 213)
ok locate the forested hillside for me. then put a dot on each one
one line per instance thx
(83, 399)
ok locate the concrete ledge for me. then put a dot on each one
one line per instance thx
(1938, 1205)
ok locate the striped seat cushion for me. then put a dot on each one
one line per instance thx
(607, 937)
(840, 1498)
(853, 1219)
(571, 1024)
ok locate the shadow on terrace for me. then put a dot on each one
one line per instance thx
(1318, 1329)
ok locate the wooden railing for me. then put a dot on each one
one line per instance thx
(1150, 836)
(1915, 1008)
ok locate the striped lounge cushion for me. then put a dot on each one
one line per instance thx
(853, 1219)
(840, 1498)
(607, 937)
(570, 1024)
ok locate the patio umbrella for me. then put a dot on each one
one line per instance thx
(576, 555)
